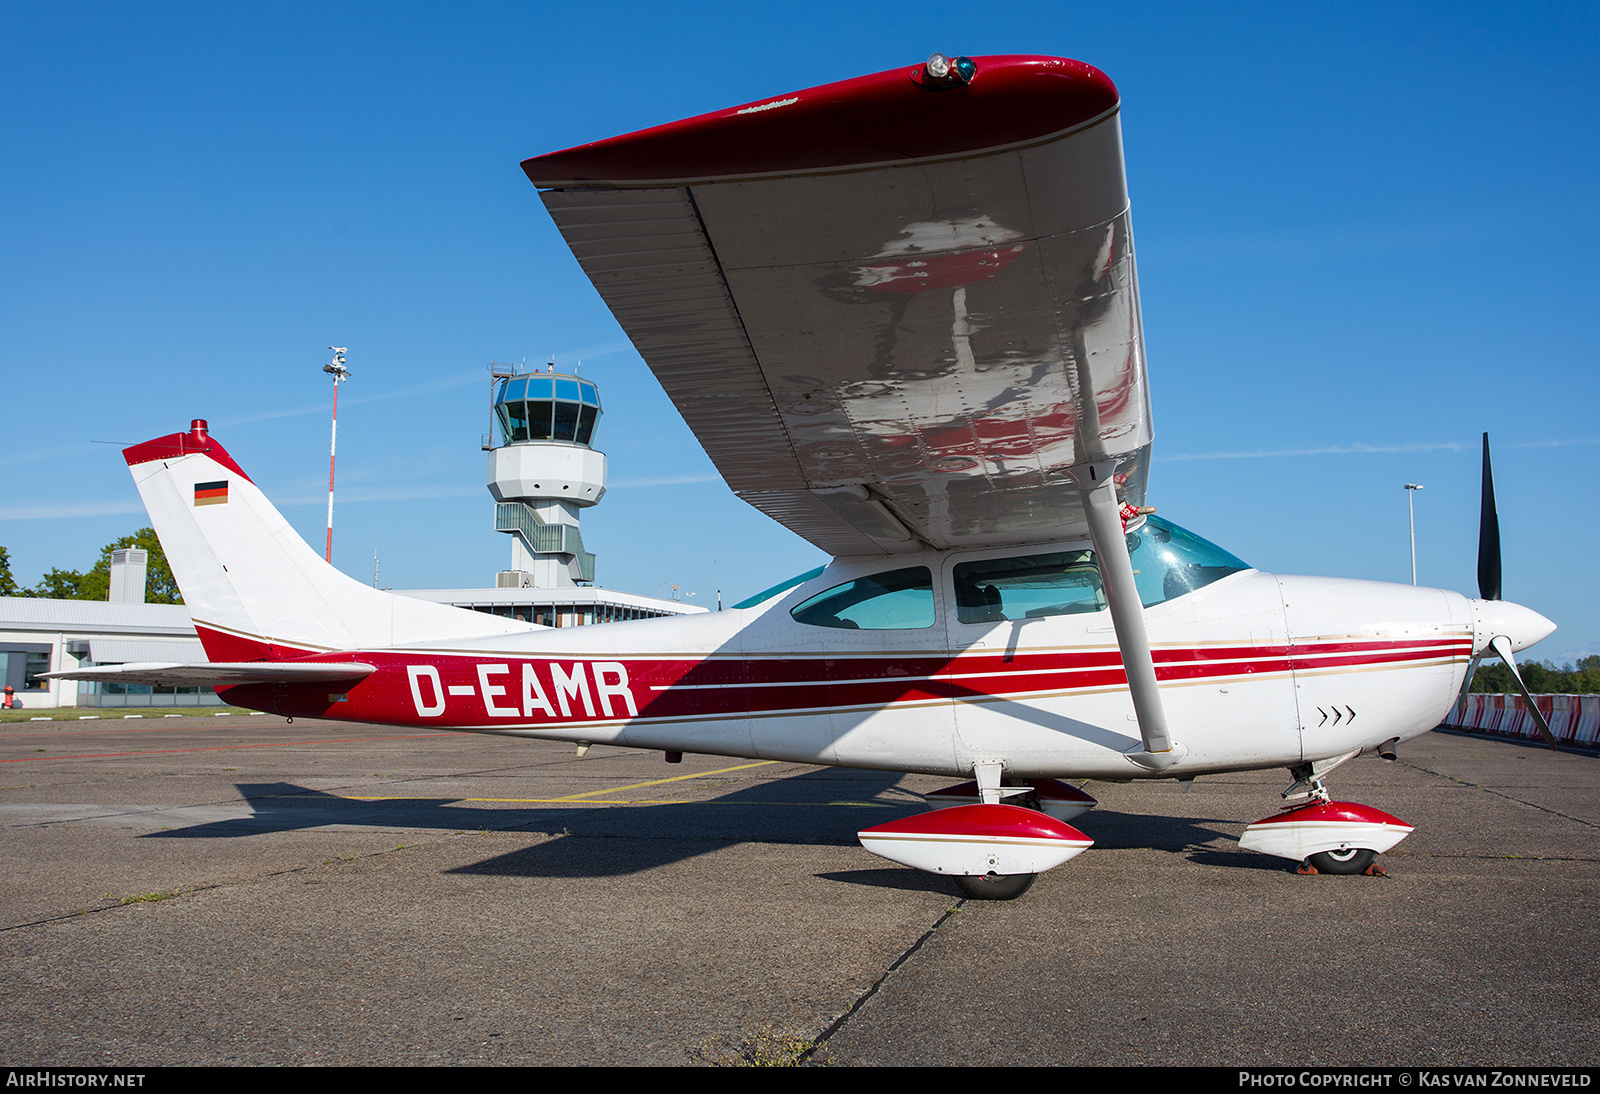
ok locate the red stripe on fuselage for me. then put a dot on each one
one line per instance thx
(568, 690)
(226, 646)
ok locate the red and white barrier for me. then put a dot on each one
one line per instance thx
(1574, 719)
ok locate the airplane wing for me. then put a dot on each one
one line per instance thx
(220, 673)
(894, 309)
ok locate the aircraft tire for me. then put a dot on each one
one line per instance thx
(995, 886)
(1351, 860)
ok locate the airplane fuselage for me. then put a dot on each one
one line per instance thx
(1256, 670)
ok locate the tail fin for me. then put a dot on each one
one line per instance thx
(253, 587)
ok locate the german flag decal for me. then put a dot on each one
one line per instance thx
(211, 493)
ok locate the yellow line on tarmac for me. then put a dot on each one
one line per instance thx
(571, 798)
(658, 782)
(601, 801)
(691, 801)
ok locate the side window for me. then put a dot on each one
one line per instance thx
(896, 600)
(37, 663)
(1028, 587)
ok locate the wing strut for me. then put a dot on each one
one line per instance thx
(1097, 485)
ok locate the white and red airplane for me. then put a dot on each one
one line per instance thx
(901, 314)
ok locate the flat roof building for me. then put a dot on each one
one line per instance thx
(39, 635)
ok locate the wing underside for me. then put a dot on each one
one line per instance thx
(888, 354)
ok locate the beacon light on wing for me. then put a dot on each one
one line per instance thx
(940, 71)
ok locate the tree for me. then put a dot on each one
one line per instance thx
(1542, 677)
(8, 584)
(159, 584)
(59, 585)
(160, 587)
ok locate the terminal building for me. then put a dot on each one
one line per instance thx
(38, 635)
(543, 472)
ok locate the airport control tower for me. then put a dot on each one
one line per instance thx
(543, 472)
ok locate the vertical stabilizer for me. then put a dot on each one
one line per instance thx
(253, 587)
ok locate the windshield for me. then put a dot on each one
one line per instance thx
(1169, 561)
(782, 587)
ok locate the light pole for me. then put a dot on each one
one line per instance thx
(1411, 492)
(339, 372)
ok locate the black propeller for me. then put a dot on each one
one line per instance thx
(1489, 589)
(1488, 534)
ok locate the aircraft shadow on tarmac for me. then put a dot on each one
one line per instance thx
(1205, 841)
(819, 808)
(594, 839)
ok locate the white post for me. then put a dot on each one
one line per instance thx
(1411, 489)
(336, 367)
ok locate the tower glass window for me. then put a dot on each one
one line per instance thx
(547, 407)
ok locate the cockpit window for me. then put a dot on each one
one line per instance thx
(1028, 587)
(1169, 561)
(896, 600)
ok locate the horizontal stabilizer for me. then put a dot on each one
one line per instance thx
(220, 673)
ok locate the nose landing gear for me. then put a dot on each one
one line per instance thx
(1325, 836)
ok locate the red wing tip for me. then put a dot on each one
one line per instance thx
(887, 117)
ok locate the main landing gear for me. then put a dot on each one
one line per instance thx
(1349, 860)
(993, 851)
(995, 886)
(1325, 836)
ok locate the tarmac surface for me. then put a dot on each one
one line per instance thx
(206, 890)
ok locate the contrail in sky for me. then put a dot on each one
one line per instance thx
(1370, 449)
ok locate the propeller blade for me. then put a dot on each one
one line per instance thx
(1460, 709)
(1502, 646)
(1488, 535)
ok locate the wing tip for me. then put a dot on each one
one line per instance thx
(892, 118)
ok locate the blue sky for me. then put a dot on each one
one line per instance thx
(1366, 234)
